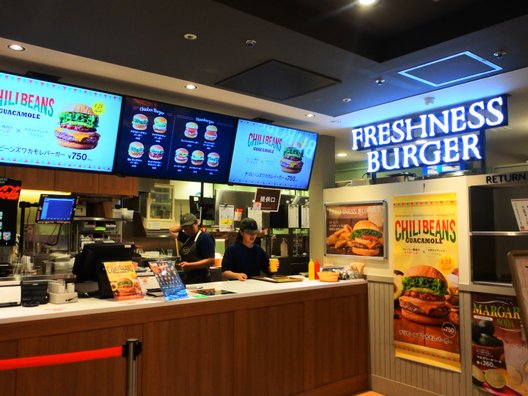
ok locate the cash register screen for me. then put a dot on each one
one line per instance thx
(56, 209)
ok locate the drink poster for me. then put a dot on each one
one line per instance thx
(123, 280)
(426, 304)
(9, 195)
(499, 349)
(356, 229)
(169, 280)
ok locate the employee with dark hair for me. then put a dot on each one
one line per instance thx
(245, 258)
(196, 248)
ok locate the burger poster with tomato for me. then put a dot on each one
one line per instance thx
(356, 229)
(426, 309)
(123, 280)
(58, 126)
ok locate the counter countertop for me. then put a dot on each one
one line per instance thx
(89, 306)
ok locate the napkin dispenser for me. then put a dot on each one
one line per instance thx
(10, 293)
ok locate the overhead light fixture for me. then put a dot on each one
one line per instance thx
(341, 154)
(16, 47)
(190, 36)
(346, 100)
(310, 115)
(380, 81)
(367, 3)
(191, 87)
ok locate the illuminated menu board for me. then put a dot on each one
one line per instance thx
(170, 142)
(272, 156)
(46, 124)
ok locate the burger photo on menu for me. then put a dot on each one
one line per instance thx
(181, 156)
(156, 152)
(366, 239)
(139, 122)
(136, 149)
(77, 127)
(160, 125)
(197, 157)
(191, 130)
(210, 133)
(291, 161)
(423, 298)
(213, 159)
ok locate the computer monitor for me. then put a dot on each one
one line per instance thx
(89, 267)
(56, 209)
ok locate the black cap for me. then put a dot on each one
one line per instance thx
(249, 225)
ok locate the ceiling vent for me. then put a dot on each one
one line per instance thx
(452, 69)
(277, 81)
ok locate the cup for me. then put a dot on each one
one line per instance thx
(274, 264)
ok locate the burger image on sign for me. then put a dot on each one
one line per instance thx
(366, 239)
(291, 161)
(139, 122)
(423, 296)
(77, 129)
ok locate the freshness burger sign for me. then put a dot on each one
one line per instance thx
(445, 136)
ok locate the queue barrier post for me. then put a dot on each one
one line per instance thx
(131, 350)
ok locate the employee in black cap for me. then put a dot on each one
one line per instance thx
(196, 247)
(245, 258)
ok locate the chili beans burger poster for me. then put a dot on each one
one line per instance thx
(426, 321)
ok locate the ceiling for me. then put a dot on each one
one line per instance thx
(279, 60)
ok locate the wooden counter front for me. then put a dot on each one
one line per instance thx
(307, 339)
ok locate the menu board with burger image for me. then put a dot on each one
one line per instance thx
(272, 156)
(47, 124)
(170, 142)
(123, 280)
(356, 229)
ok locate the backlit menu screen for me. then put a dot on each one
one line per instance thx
(171, 142)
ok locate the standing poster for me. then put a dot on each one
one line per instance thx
(498, 346)
(123, 280)
(356, 229)
(9, 195)
(169, 280)
(425, 245)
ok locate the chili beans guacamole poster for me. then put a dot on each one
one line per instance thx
(426, 319)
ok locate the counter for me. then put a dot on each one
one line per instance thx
(306, 338)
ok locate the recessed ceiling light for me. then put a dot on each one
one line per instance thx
(341, 154)
(16, 47)
(367, 3)
(191, 87)
(190, 36)
(310, 115)
(346, 100)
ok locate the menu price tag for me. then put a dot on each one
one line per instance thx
(520, 208)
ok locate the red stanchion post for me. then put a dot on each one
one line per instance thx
(131, 350)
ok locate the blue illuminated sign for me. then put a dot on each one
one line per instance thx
(445, 136)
